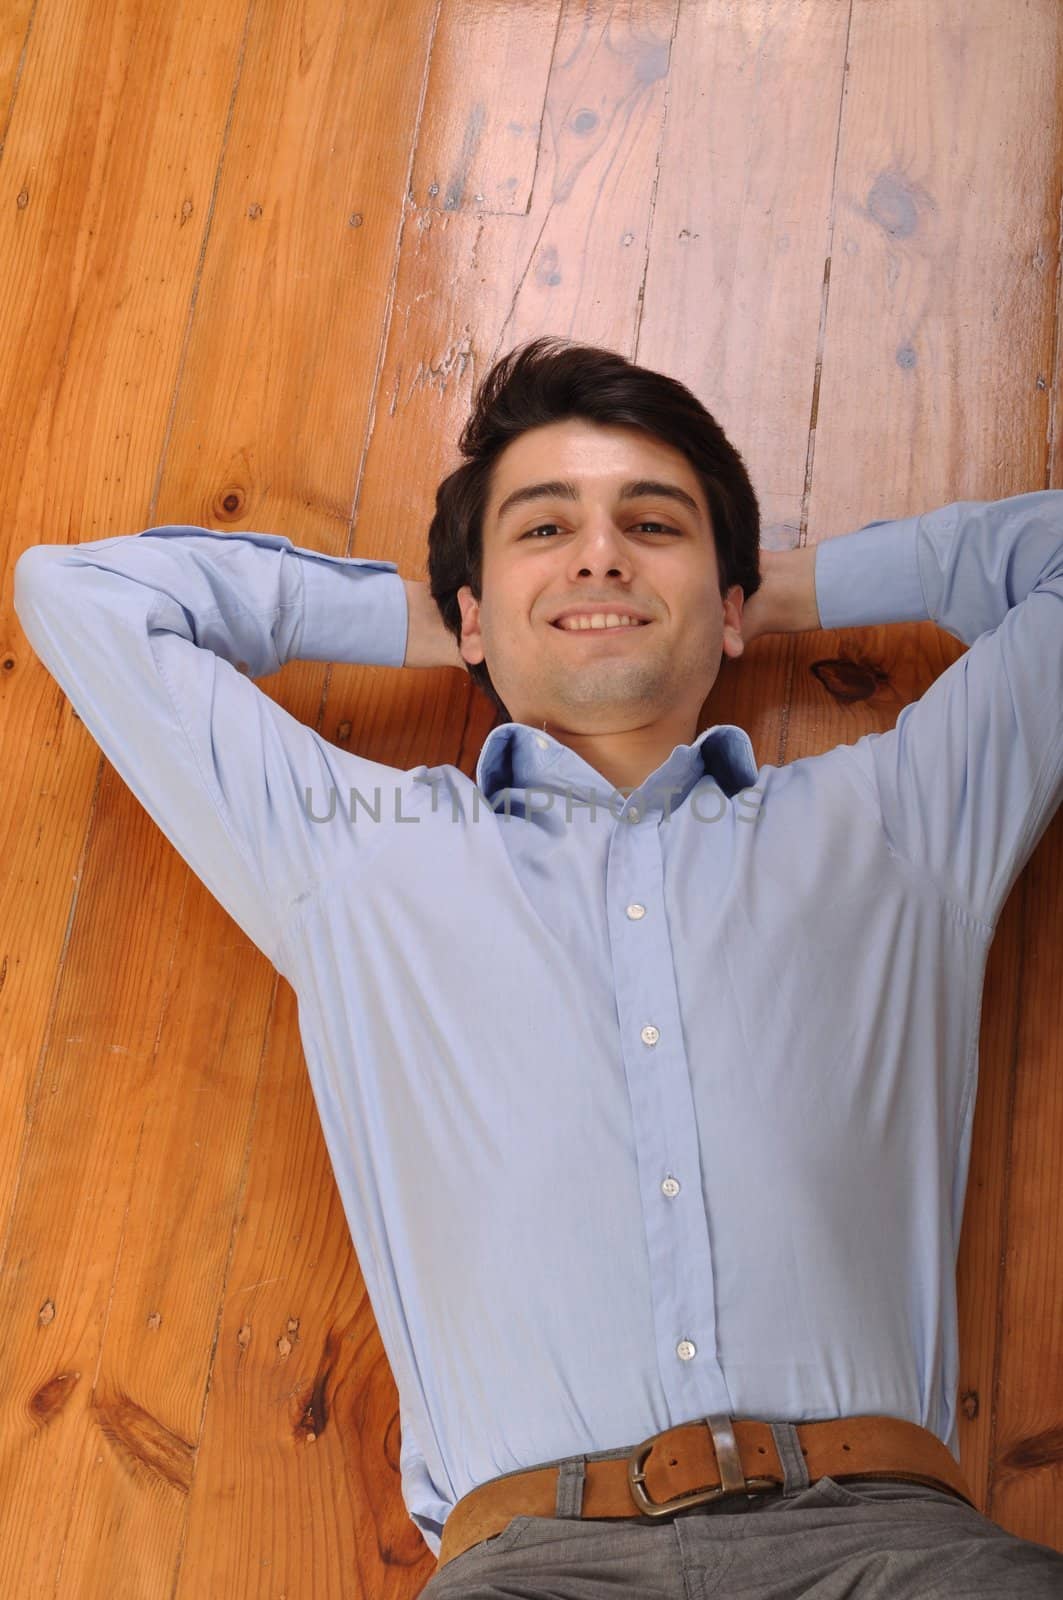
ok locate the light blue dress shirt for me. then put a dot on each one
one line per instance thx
(641, 1106)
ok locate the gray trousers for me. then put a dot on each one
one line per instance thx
(864, 1540)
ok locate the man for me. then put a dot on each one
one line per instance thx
(647, 1075)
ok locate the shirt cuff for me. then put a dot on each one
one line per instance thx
(354, 610)
(870, 576)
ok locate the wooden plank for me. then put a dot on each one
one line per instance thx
(303, 1408)
(480, 130)
(99, 266)
(938, 352)
(733, 294)
(1025, 1453)
(114, 1468)
(16, 24)
(85, 232)
(1027, 1397)
(274, 407)
(471, 286)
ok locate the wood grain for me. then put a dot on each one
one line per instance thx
(256, 259)
(941, 317)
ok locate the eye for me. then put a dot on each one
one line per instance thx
(650, 523)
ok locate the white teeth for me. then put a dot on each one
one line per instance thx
(608, 619)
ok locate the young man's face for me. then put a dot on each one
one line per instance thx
(654, 554)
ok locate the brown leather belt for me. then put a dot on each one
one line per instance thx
(702, 1461)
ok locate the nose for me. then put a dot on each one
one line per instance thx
(599, 549)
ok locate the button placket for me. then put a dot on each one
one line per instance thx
(659, 1093)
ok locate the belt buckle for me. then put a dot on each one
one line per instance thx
(732, 1478)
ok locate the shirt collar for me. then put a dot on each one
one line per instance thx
(516, 756)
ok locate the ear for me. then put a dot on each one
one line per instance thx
(471, 645)
(733, 642)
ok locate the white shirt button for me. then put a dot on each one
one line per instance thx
(685, 1350)
(650, 1035)
(670, 1187)
(633, 814)
(541, 742)
(636, 911)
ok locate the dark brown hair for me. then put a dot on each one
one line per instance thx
(552, 380)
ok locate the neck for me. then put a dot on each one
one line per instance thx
(626, 759)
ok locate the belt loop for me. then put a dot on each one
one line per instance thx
(570, 1476)
(794, 1465)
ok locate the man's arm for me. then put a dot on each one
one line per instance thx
(155, 638)
(970, 777)
(430, 643)
(786, 599)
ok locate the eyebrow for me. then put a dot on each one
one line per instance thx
(639, 489)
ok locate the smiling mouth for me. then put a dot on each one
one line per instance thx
(594, 630)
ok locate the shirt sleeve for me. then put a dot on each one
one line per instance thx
(969, 778)
(155, 638)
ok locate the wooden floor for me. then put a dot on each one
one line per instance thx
(255, 254)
